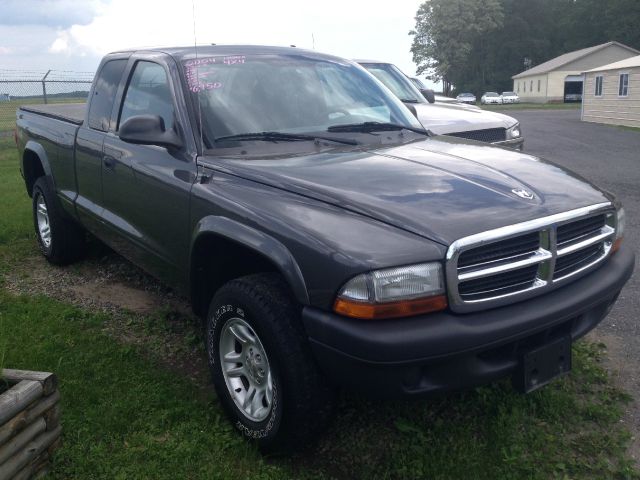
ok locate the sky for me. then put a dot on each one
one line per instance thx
(74, 34)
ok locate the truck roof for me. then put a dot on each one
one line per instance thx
(189, 52)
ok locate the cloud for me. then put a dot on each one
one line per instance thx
(352, 29)
(59, 45)
(80, 32)
(27, 48)
(52, 13)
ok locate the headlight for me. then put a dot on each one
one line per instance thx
(616, 221)
(514, 132)
(620, 221)
(393, 292)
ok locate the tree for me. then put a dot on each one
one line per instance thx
(477, 45)
(446, 33)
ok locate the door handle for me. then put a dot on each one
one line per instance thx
(109, 162)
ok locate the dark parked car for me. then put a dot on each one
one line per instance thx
(325, 238)
(427, 93)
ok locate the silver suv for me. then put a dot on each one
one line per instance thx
(456, 120)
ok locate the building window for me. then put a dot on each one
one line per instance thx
(531, 86)
(518, 86)
(538, 84)
(524, 85)
(598, 92)
(623, 85)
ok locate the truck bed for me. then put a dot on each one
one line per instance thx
(68, 112)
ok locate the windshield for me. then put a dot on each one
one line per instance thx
(286, 93)
(418, 83)
(466, 95)
(491, 94)
(511, 94)
(396, 81)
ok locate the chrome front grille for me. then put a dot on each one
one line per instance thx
(488, 135)
(519, 261)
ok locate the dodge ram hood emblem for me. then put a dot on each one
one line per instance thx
(522, 193)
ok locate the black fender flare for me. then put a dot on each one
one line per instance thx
(259, 242)
(39, 150)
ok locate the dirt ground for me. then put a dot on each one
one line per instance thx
(624, 370)
(141, 310)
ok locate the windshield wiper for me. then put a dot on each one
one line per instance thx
(284, 137)
(409, 100)
(368, 127)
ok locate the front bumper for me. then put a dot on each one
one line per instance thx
(515, 143)
(446, 351)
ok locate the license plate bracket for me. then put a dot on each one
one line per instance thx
(543, 364)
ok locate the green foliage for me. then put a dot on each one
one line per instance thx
(446, 35)
(477, 45)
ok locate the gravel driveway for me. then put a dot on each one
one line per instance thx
(610, 157)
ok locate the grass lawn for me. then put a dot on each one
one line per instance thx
(625, 127)
(125, 415)
(532, 106)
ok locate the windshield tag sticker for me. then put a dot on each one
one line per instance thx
(234, 59)
(200, 61)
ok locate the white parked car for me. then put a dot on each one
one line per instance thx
(445, 99)
(491, 98)
(468, 98)
(510, 97)
(443, 118)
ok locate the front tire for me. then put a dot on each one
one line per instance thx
(261, 364)
(61, 240)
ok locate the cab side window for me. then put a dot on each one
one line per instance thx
(148, 93)
(104, 94)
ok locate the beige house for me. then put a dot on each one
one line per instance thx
(560, 79)
(612, 93)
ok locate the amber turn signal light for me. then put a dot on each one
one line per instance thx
(402, 308)
(616, 245)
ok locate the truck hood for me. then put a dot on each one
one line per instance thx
(450, 118)
(441, 188)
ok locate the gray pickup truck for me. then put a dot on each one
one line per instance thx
(325, 238)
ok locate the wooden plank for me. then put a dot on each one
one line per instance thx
(18, 397)
(52, 417)
(33, 469)
(48, 380)
(25, 417)
(42, 472)
(54, 446)
(31, 451)
(13, 426)
(20, 440)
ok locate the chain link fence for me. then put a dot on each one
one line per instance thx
(37, 87)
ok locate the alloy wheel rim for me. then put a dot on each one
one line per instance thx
(246, 369)
(42, 217)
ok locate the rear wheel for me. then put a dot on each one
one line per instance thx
(61, 240)
(262, 367)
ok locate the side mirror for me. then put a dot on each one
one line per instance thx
(411, 108)
(429, 95)
(148, 130)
